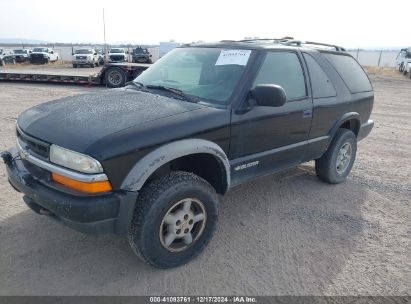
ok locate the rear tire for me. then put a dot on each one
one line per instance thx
(336, 163)
(74, 65)
(174, 219)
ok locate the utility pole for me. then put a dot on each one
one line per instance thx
(105, 45)
(379, 58)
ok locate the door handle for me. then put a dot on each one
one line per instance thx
(307, 113)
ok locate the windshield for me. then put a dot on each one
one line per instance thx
(41, 50)
(84, 51)
(19, 51)
(210, 74)
(116, 51)
(140, 51)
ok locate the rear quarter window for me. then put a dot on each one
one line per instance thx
(350, 71)
(321, 85)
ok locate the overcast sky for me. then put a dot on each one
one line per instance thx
(349, 23)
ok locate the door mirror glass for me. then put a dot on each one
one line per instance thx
(269, 95)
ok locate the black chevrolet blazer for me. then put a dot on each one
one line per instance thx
(150, 159)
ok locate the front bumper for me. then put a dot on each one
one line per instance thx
(83, 62)
(97, 214)
(365, 129)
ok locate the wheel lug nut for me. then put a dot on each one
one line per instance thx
(186, 230)
(178, 231)
(186, 216)
(190, 222)
(178, 223)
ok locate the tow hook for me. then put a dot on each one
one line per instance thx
(7, 157)
(27, 179)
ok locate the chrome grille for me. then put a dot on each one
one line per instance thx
(37, 147)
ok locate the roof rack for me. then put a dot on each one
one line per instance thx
(290, 42)
(275, 40)
(300, 43)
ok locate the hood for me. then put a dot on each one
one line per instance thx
(79, 121)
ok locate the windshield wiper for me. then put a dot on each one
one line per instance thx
(137, 85)
(175, 91)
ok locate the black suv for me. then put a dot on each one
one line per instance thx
(151, 159)
(140, 55)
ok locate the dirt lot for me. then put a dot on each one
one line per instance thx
(285, 234)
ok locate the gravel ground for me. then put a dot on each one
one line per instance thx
(284, 234)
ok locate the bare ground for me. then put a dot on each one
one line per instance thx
(284, 234)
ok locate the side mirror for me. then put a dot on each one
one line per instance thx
(51, 52)
(269, 95)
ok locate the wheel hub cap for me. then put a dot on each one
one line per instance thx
(344, 158)
(115, 77)
(183, 224)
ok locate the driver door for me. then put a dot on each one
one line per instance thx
(266, 138)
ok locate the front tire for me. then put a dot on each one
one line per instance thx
(336, 163)
(174, 219)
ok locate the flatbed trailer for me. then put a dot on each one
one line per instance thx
(112, 75)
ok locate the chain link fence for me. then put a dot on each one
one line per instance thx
(377, 58)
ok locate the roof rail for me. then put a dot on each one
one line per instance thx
(284, 39)
(290, 42)
(275, 40)
(300, 43)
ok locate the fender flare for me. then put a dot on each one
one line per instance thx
(146, 166)
(342, 120)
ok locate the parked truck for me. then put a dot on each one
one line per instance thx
(43, 55)
(85, 57)
(141, 55)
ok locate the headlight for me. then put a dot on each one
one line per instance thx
(74, 160)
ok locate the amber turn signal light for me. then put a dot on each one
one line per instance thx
(93, 187)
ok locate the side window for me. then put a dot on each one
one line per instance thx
(350, 71)
(321, 85)
(284, 69)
